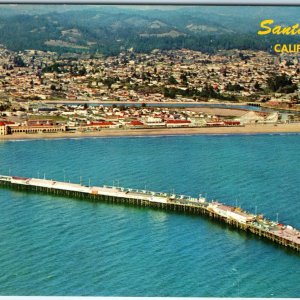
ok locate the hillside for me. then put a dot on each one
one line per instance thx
(112, 29)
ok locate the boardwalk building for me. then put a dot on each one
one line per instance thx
(36, 129)
(3, 128)
(254, 117)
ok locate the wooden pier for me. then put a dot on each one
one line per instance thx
(280, 234)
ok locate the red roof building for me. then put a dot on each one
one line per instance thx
(178, 123)
(3, 123)
(232, 123)
(135, 124)
(4, 130)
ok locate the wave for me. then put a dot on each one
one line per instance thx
(153, 136)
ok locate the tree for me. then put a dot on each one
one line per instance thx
(18, 61)
(234, 87)
(82, 72)
(184, 78)
(257, 86)
(281, 83)
(4, 107)
(172, 80)
(109, 81)
(170, 93)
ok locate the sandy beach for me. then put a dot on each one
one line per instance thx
(248, 129)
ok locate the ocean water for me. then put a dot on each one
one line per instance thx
(52, 245)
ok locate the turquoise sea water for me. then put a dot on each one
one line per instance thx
(59, 246)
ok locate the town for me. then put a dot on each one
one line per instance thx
(47, 92)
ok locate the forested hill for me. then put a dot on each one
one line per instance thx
(109, 29)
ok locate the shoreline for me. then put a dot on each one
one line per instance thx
(291, 109)
(248, 129)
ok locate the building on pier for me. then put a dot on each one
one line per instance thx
(231, 212)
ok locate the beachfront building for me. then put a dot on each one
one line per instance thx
(178, 123)
(198, 121)
(31, 126)
(135, 124)
(254, 117)
(94, 126)
(154, 122)
(36, 129)
(3, 128)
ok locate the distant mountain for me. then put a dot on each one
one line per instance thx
(110, 29)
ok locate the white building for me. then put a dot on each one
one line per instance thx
(254, 117)
(230, 212)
